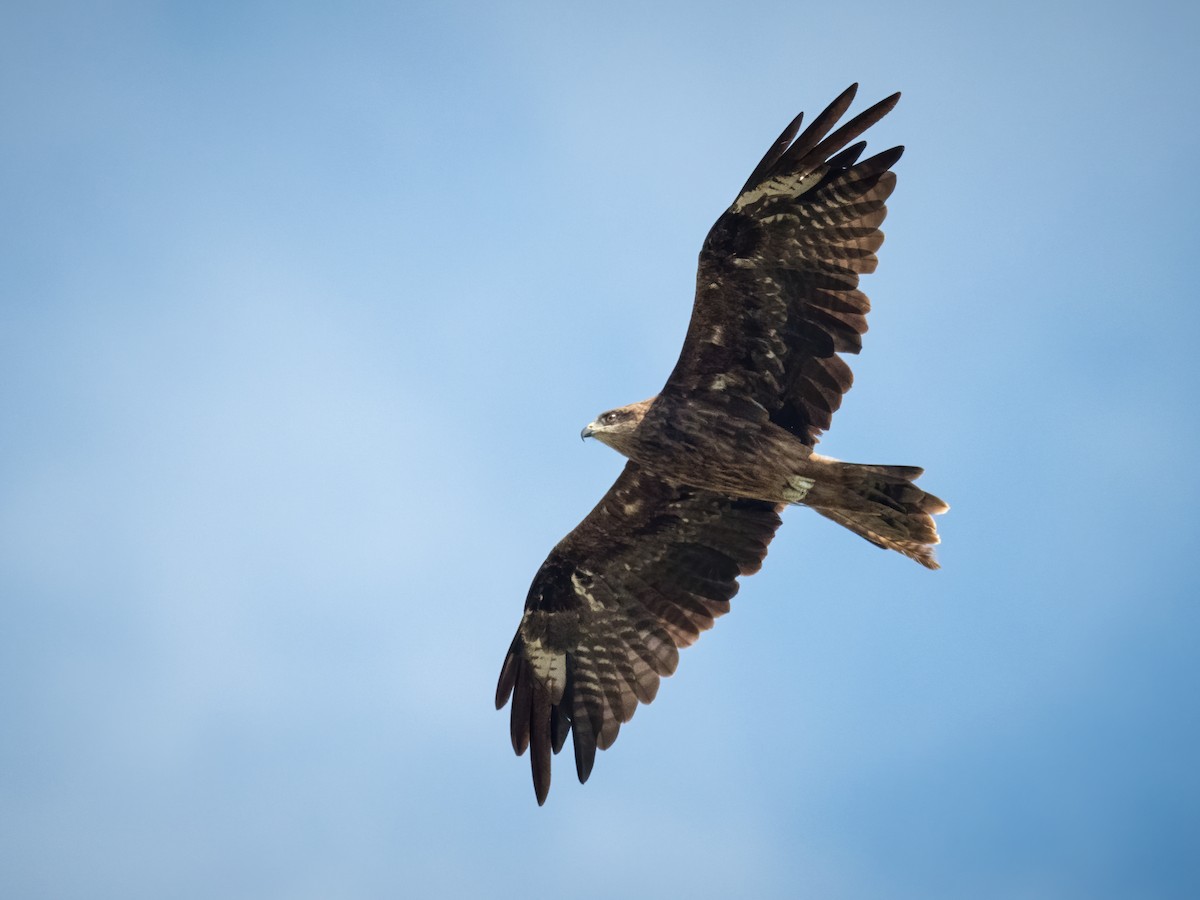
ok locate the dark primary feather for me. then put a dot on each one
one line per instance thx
(777, 294)
(644, 574)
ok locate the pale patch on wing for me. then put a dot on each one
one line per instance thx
(788, 186)
(797, 488)
(583, 591)
(549, 667)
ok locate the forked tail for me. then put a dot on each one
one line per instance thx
(882, 504)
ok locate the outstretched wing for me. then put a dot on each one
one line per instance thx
(648, 570)
(777, 294)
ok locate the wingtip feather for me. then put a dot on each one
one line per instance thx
(521, 707)
(540, 742)
(507, 680)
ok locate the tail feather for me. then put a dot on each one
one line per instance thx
(882, 505)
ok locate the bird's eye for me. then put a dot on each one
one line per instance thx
(608, 418)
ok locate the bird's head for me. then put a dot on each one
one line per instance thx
(617, 426)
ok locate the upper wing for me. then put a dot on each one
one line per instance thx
(777, 289)
(648, 569)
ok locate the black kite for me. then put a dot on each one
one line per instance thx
(718, 454)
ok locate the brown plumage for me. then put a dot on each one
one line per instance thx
(717, 455)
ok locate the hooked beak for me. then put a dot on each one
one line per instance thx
(587, 432)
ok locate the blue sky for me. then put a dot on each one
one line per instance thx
(304, 307)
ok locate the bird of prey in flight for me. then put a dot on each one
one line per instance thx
(722, 449)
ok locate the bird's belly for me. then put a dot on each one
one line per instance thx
(731, 457)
